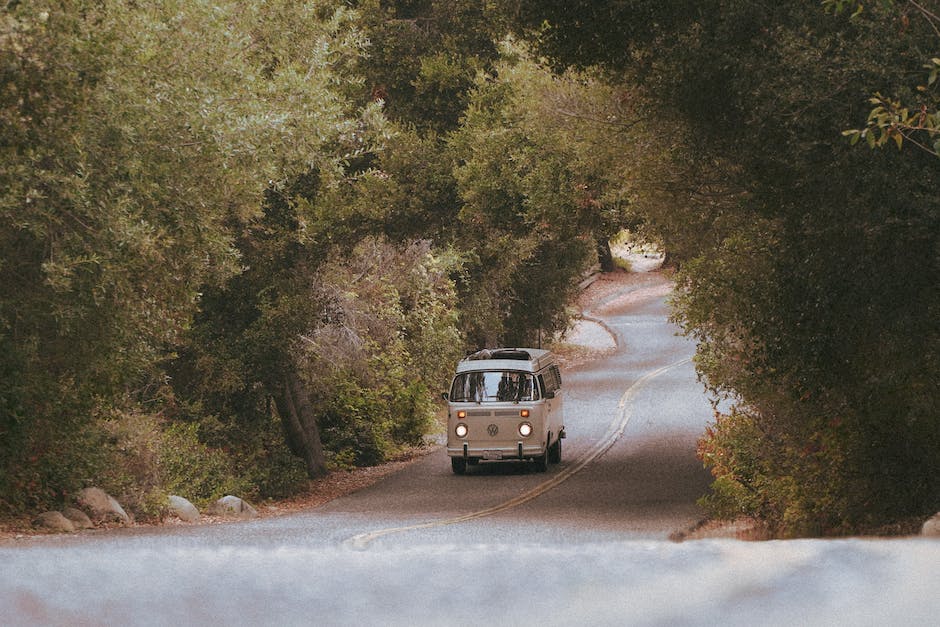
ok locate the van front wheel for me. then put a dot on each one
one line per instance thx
(458, 465)
(554, 452)
(541, 462)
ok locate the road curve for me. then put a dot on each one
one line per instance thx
(362, 540)
(629, 468)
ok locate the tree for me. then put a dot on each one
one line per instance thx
(534, 201)
(891, 120)
(243, 349)
(425, 55)
(133, 136)
(805, 312)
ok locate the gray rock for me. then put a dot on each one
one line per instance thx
(101, 507)
(54, 521)
(78, 518)
(183, 509)
(233, 506)
(931, 527)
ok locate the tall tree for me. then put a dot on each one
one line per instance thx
(536, 195)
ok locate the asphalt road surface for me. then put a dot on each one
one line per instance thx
(586, 543)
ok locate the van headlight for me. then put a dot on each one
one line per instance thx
(525, 429)
(461, 430)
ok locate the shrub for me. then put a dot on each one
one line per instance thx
(41, 464)
(199, 472)
(391, 338)
(413, 412)
(356, 424)
(728, 448)
(268, 468)
(830, 475)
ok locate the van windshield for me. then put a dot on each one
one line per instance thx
(492, 386)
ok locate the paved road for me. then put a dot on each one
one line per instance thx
(585, 543)
(629, 469)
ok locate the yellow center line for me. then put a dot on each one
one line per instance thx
(614, 432)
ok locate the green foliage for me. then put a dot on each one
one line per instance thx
(201, 473)
(891, 121)
(137, 457)
(133, 138)
(390, 340)
(603, 32)
(145, 459)
(425, 56)
(204, 204)
(365, 423)
(137, 140)
(731, 448)
(420, 191)
(142, 459)
(915, 118)
(540, 187)
(133, 442)
(807, 266)
(808, 310)
(43, 464)
(794, 481)
(355, 422)
(799, 309)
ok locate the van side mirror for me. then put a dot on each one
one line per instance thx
(445, 396)
(549, 394)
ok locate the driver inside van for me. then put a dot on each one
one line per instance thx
(508, 387)
(514, 386)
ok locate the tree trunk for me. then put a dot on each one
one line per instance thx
(300, 425)
(670, 261)
(604, 256)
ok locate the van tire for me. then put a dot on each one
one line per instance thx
(554, 452)
(541, 462)
(458, 465)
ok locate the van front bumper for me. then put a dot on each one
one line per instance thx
(519, 450)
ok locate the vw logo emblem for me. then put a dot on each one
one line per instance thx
(492, 430)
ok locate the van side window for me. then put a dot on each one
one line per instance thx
(549, 381)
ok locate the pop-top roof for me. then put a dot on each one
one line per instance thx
(526, 359)
(521, 354)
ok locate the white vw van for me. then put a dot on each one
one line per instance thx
(505, 404)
